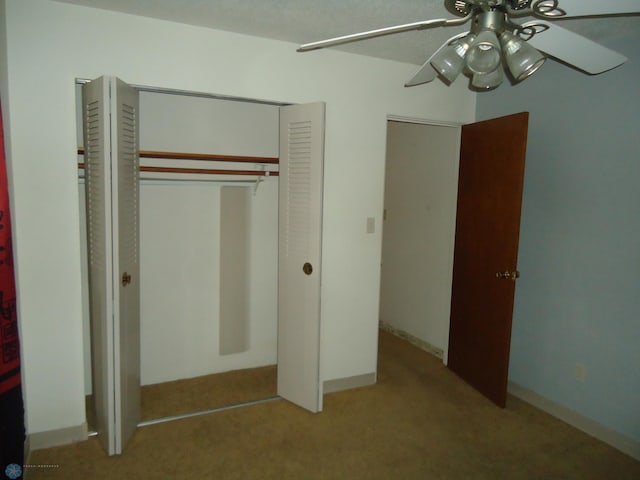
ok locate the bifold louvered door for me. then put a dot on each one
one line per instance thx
(110, 113)
(299, 260)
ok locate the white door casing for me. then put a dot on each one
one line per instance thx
(112, 190)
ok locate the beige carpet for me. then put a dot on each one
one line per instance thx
(207, 392)
(198, 394)
(418, 422)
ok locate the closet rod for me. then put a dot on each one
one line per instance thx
(201, 156)
(260, 173)
(205, 171)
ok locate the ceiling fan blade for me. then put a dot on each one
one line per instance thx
(438, 22)
(574, 49)
(582, 8)
(426, 73)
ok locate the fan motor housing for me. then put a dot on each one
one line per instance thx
(462, 8)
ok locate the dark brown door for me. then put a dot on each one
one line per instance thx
(491, 175)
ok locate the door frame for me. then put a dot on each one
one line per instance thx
(435, 123)
(85, 293)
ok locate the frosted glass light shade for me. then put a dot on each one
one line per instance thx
(521, 58)
(449, 62)
(487, 81)
(484, 54)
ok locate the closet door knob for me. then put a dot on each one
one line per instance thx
(307, 268)
(126, 279)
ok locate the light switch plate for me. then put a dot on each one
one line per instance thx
(371, 225)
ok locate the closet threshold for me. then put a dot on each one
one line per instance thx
(147, 423)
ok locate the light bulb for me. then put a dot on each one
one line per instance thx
(449, 62)
(487, 81)
(484, 54)
(521, 58)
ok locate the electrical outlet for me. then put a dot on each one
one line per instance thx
(580, 372)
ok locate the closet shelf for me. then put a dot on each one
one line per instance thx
(202, 157)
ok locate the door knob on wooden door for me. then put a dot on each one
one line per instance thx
(508, 275)
(307, 268)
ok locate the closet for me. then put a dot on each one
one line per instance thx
(230, 206)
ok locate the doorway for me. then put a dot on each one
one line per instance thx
(421, 179)
(454, 232)
(193, 357)
(235, 285)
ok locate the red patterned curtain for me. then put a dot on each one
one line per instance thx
(9, 344)
(12, 432)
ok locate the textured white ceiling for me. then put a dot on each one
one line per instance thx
(302, 21)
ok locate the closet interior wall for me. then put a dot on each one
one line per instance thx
(201, 235)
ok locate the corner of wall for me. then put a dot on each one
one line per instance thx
(597, 430)
(54, 438)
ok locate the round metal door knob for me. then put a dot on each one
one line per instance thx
(307, 268)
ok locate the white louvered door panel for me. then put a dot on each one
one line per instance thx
(299, 259)
(111, 183)
(126, 286)
(99, 252)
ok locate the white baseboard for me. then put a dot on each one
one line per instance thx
(587, 425)
(53, 438)
(339, 384)
(27, 455)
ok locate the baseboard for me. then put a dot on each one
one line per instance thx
(53, 438)
(27, 455)
(591, 427)
(412, 339)
(340, 384)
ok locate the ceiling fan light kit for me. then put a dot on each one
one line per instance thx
(521, 58)
(483, 58)
(487, 81)
(449, 62)
(496, 37)
(484, 55)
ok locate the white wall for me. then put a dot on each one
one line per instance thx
(421, 186)
(50, 44)
(180, 231)
(184, 123)
(180, 281)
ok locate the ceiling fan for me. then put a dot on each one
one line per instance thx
(496, 36)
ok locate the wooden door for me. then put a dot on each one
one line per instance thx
(491, 176)
(299, 254)
(110, 109)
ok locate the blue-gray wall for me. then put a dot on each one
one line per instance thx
(578, 300)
